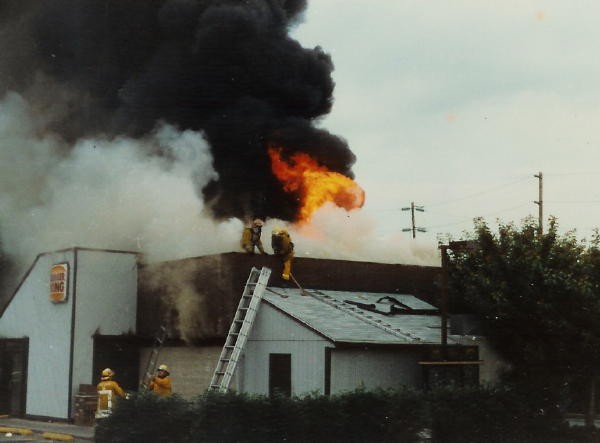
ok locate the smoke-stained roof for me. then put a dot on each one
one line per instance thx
(197, 297)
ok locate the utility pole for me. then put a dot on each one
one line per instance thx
(412, 210)
(540, 203)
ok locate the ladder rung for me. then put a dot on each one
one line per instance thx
(238, 332)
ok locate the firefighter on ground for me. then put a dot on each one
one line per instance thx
(108, 389)
(251, 237)
(161, 383)
(282, 245)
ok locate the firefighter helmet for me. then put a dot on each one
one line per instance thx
(107, 373)
(163, 368)
(258, 222)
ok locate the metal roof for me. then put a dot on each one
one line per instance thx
(360, 317)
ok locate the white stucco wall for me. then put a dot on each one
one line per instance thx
(48, 326)
(106, 303)
(102, 288)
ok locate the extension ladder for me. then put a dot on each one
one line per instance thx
(240, 328)
(153, 358)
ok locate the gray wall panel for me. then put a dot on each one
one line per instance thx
(374, 368)
(273, 332)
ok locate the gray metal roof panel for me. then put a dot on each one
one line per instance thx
(343, 326)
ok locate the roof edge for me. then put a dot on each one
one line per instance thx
(300, 322)
(57, 251)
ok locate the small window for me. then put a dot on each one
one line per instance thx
(280, 374)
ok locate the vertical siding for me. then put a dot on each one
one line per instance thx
(273, 332)
(374, 368)
(106, 303)
(48, 326)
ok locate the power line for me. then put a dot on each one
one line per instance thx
(560, 174)
(477, 194)
(572, 202)
(480, 216)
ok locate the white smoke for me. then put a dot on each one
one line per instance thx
(105, 193)
(143, 195)
(335, 233)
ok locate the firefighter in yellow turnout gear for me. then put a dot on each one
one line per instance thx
(251, 237)
(161, 384)
(282, 245)
(107, 389)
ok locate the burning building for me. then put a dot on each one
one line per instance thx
(54, 339)
(109, 309)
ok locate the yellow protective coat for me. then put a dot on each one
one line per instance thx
(160, 386)
(284, 248)
(108, 385)
(250, 240)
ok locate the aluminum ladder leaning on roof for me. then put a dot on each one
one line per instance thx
(240, 328)
(153, 358)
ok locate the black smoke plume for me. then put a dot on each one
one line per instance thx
(226, 67)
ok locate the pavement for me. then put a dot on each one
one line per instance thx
(23, 430)
(578, 420)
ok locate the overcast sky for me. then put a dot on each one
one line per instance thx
(457, 105)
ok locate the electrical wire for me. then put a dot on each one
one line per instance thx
(477, 194)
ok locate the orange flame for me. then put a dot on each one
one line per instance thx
(315, 184)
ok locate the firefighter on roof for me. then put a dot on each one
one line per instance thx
(161, 384)
(282, 245)
(251, 237)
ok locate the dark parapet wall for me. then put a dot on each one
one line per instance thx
(194, 298)
(369, 277)
(197, 297)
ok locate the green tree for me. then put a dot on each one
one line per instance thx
(537, 295)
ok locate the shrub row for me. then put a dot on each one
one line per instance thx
(450, 416)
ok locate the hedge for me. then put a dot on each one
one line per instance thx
(476, 415)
